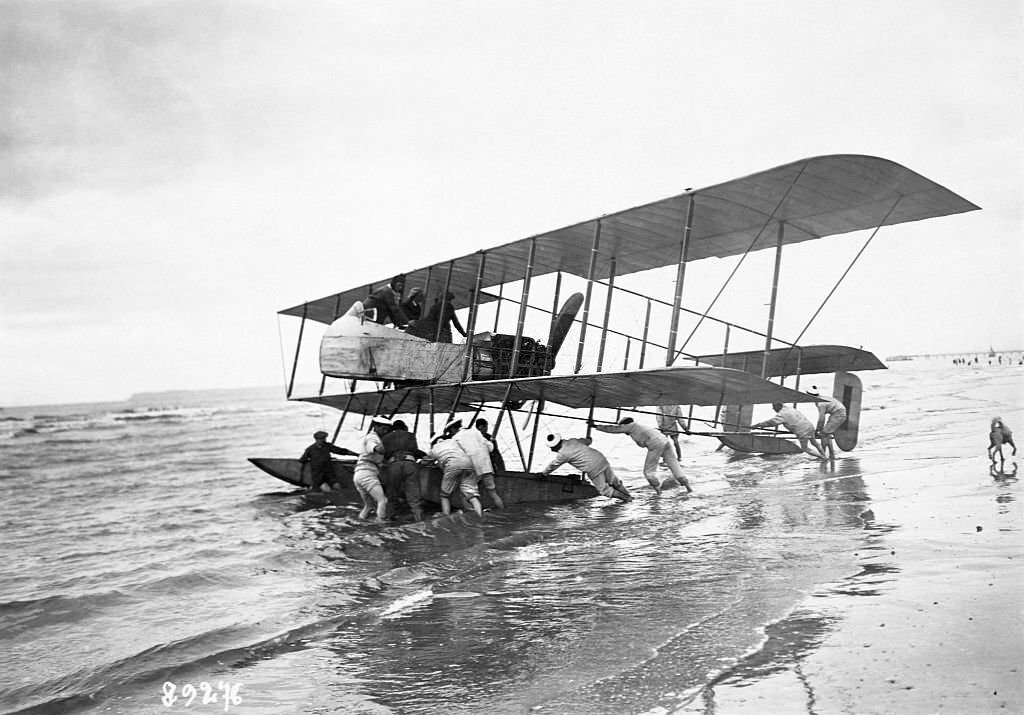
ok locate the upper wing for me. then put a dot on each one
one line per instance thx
(815, 197)
(655, 386)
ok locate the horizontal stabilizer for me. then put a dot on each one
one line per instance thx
(807, 360)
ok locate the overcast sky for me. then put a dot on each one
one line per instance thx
(174, 173)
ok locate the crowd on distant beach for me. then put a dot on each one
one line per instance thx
(998, 360)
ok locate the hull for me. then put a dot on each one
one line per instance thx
(513, 487)
(757, 444)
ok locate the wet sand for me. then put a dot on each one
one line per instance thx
(933, 622)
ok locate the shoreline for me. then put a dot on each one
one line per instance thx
(932, 622)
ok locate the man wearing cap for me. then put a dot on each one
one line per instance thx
(458, 472)
(318, 457)
(478, 448)
(385, 301)
(366, 474)
(794, 420)
(497, 461)
(589, 461)
(831, 413)
(658, 448)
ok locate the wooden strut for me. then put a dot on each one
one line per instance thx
(455, 405)
(753, 243)
(399, 405)
(497, 307)
(773, 301)
(684, 249)
(444, 299)
(647, 326)
(519, 446)
(467, 367)
(536, 425)
(298, 347)
(607, 314)
(590, 289)
(341, 420)
(522, 309)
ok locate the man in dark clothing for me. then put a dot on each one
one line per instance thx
(318, 457)
(496, 459)
(442, 314)
(385, 301)
(413, 305)
(401, 473)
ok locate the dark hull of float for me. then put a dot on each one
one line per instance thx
(759, 444)
(513, 487)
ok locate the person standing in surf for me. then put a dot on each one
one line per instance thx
(401, 474)
(657, 446)
(831, 416)
(318, 457)
(366, 474)
(478, 448)
(588, 460)
(497, 461)
(458, 473)
(794, 420)
(670, 422)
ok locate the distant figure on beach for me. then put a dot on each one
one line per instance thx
(496, 459)
(385, 302)
(589, 461)
(318, 457)
(831, 416)
(794, 420)
(443, 314)
(658, 448)
(366, 474)
(479, 450)
(999, 434)
(669, 418)
(458, 473)
(413, 305)
(401, 473)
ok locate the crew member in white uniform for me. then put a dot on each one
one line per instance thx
(366, 474)
(579, 453)
(479, 449)
(458, 472)
(658, 447)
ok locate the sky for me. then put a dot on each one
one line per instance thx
(175, 173)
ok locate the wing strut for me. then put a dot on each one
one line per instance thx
(740, 262)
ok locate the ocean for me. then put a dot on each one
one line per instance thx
(151, 569)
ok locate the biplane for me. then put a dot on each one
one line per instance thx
(503, 367)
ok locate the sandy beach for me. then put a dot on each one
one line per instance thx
(932, 623)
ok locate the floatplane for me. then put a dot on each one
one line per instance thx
(370, 368)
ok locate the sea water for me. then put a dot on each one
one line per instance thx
(150, 569)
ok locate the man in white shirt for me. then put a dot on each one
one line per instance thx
(589, 461)
(657, 446)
